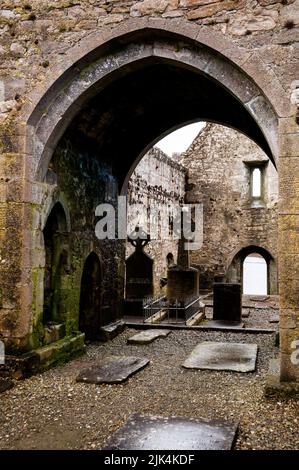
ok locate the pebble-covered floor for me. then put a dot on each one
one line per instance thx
(52, 411)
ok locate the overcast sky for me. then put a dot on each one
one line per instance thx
(180, 140)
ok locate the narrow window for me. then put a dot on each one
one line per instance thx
(256, 183)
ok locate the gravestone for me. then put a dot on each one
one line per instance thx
(159, 433)
(112, 370)
(227, 302)
(139, 274)
(147, 336)
(237, 357)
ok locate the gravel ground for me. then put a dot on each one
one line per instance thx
(52, 411)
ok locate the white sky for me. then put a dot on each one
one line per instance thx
(180, 140)
(255, 275)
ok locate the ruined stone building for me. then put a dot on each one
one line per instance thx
(217, 171)
(86, 87)
(236, 223)
(157, 183)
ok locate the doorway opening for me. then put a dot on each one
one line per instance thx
(91, 297)
(255, 280)
(56, 260)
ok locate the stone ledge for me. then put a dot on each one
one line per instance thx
(171, 326)
(38, 360)
(276, 388)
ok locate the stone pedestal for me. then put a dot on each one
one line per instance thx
(227, 302)
(182, 284)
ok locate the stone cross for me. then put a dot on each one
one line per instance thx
(139, 238)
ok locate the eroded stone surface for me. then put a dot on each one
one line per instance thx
(112, 370)
(148, 336)
(236, 357)
(157, 433)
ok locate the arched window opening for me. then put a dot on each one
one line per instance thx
(255, 275)
(256, 186)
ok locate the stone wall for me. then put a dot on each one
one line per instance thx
(35, 34)
(157, 183)
(219, 162)
(79, 182)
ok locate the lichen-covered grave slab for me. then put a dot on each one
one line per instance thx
(236, 357)
(112, 370)
(148, 336)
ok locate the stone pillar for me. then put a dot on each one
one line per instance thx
(14, 319)
(288, 244)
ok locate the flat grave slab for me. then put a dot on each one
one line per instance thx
(112, 370)
(174, 433)
(147, 336)
(236, 357)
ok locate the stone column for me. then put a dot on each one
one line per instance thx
(14, 323)
(288, 244)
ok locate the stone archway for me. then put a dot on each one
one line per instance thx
(235, 270)
(235, 90)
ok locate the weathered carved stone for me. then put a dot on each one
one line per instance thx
(250, 24)
(148, 7)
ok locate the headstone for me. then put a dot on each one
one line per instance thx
(139, 275)
(139, 269)
(112, 370)
(236, 357)
(147, 336)
(227, 302)
(160, 433)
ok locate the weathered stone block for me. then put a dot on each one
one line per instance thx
(289, 371)
(148, 7)
(210, 10)
(227, 302)
(289, 145)
(276, 386)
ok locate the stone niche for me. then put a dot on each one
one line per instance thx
(227, 302)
